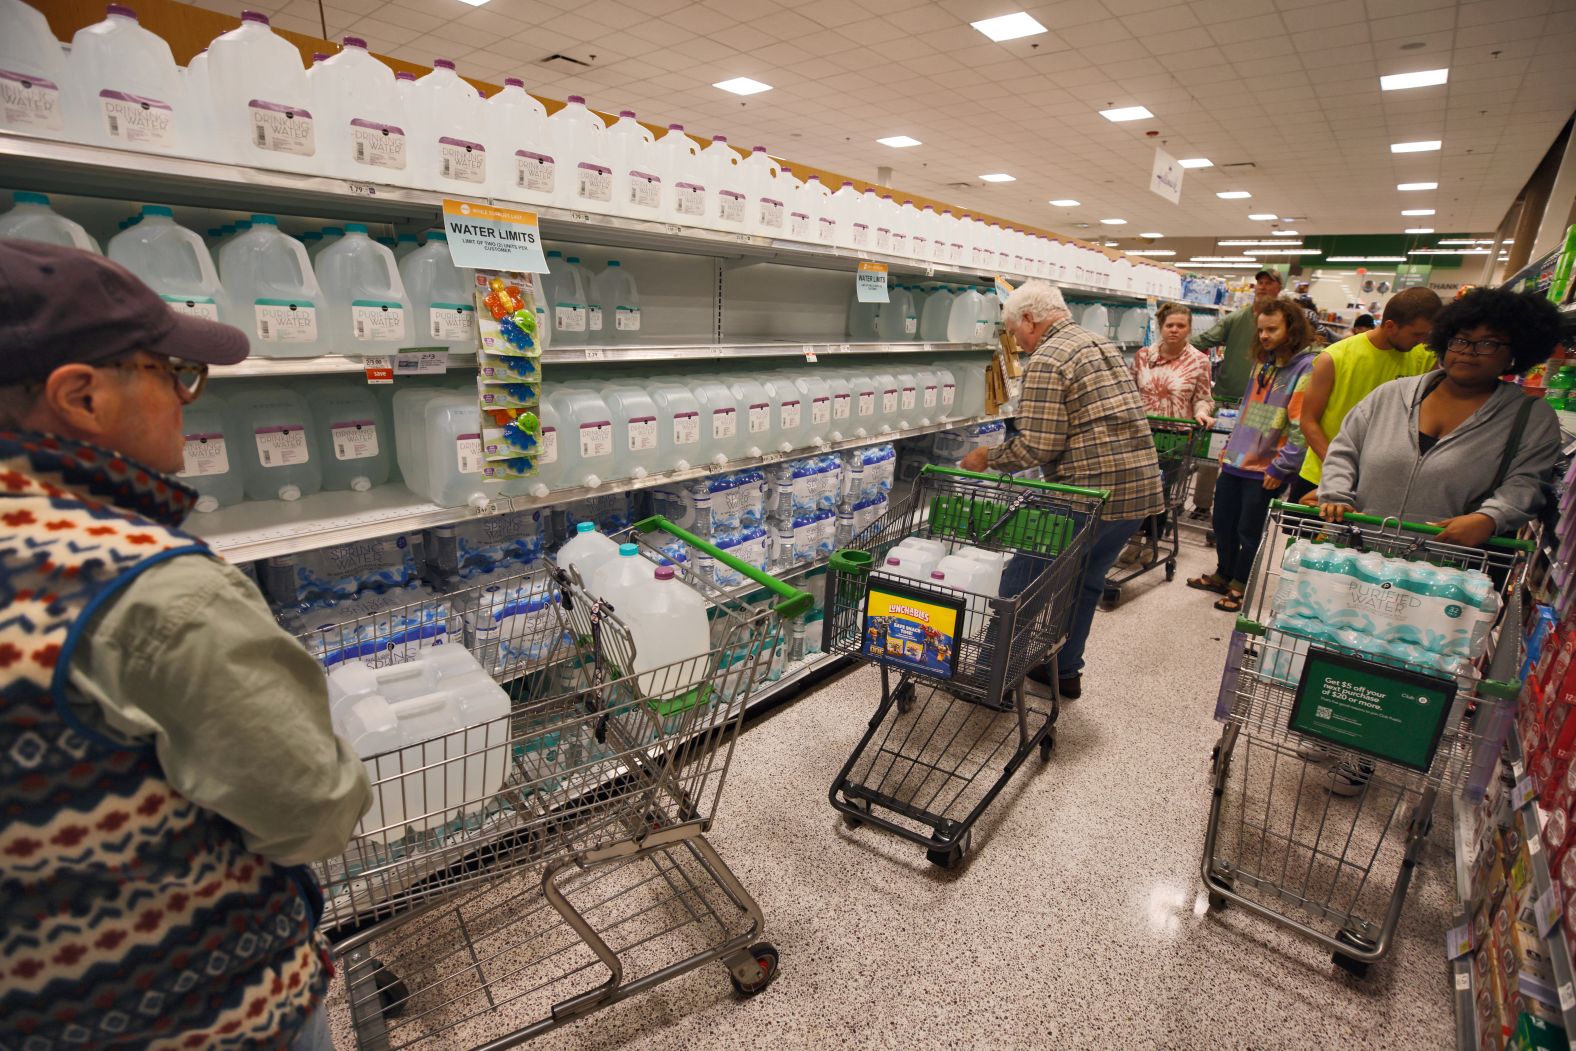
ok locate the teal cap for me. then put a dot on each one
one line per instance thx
(28, 197)
(157, 209)
(610, 262)
(311, 235)
(262, 220)
(403, 238)
(628, 550)
(354, 228)
(574, 259)
(435, 235)
(337, 231)
(555, 254)
(585, 527)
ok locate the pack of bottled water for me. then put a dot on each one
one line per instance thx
(324, 576)
(814, 483)
(868, 471)
(804, 537)
(467, 549)
(385, 628)
(511, 618)
(751, 545)
(717, 507)
(611, 513)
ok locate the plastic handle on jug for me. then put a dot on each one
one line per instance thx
(1052, 487)
(794, 602)
(1499, 543)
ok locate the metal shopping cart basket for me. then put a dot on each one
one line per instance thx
(1296, 699)
(952, 664)
(552, 862)
(1159, 542)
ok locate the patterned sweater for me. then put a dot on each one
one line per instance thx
(1268, 436)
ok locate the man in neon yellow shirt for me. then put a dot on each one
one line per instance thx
(1348, 371)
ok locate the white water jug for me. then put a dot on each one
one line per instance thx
(525, 166)
(584, 454)
(279, 455)
(354, 435)
(682, 439)
(686, 197)
(579, 140)
(594, 320)
(450, 128)
(818, 199)
(853, 229)
(728, 183)
(32, 73)
(273, 292)
(865, 421)
(723, 418)
(171, 260)
(755, 415)
(587, 551)
(32, 219)
(991, 566)
(966, 318)
(448, 450)
(898, 322)
(363, 131)
(801, 225)
(440, 295)
(368, 311)
(212, 461)
(841, 390)
(907, 399)
(947, 385)
(124, 89)
(933, 317)
(636, 431)
(262, 103)
(567, 301)
(669, 626)
(887, 400)
(637, 179)
(816, 397)
(614, 290)
(929, 396)
(791, 424)
(767, 213)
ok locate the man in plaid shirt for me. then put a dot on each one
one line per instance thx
(1081, 421)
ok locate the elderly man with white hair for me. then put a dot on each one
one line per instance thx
(1081, 420)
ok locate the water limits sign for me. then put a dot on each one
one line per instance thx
(487, 238)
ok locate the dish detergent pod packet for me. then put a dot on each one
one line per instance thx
(509, 395)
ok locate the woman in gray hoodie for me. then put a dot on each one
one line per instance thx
(1457, 447)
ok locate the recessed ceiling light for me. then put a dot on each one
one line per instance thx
(999, 177)
(1121, 113)
(1285, 233)
(1111, 244)
(1420, 229)
(474, 3)
(1365, 259)
(742, 86)
(1286, 251)
(1233, 195)
(1264, 217)
(1238, 243)
(1408, 186)
(1151, 233)
(1009, 27)
(1424, 78)
(1113, 222)
(1064, 202)
(1422, 146)
(899, 141)
(1150, 251)
(1197, 162)
(1417, 211)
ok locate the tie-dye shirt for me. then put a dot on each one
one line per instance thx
(1268, 436)
(1179, 387)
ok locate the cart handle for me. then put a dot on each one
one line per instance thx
(1499, 542)
(794, 602)
(1173, 419)
(1073, 490)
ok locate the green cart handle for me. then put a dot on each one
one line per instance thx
(1052, 487)
(1421, 528)
(794, 602)
(1173, 419)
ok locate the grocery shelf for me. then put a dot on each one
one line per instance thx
(261, 529)
(1564, 991)
(1461, 967)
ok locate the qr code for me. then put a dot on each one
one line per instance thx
(1322, 712)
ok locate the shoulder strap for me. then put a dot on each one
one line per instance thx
(1512, 449)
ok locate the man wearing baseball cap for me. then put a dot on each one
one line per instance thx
(166, 761)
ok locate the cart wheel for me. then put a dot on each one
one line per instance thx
(393, 993)
(904, 696)
(1111, 597)
(1171, 569)
(1047, 745)
(950, 859)
(765, 954)
(1217, 900)
(849, 819)
(1351, 965)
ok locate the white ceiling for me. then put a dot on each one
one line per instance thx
(1291, 86)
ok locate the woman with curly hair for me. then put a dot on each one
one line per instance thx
(1457, 447)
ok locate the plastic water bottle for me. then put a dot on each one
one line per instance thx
(755, 415)
(614, 291)
(327, 236)
(637, 182)
(212, 463)
(722, 417)
(636, 431)
(526, 169)
(966, 319)
(364, 132)
(353, 434)
(687, 196)
(587, 551)
(682, 439)
(32, 73)
(767, 212)
(669, 626)
(279, 454)
(568, 301)
(32, 219)
(897, 322)
(934, 315)
(440, 294)
(728, 181)
(368, 311)
(171, 260)
(273, 292)
(124, 88)
(450, 127)
(261, 100)
(579, 139)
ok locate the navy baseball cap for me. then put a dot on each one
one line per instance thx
(61, 305)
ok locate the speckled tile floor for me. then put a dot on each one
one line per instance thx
(1078, 920)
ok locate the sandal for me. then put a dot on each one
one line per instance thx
(1210, 583)
(1231, 603)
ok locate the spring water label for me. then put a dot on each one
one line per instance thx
(686, 428)
(377, 145)
(724, 423)
(930, 396)
(285, 321)
(281, 129)
(194, 306)
(841, 403)
(908, 398)
(594, 317)
(799, 226)
(204, 454)
(138, 121)
(642, 433)
(867, 403)
(690, 198)
(354, 439)
(29, 102)
(452, 322)
(790, 414)
(820, 410)
(570, 317)
(596, 439)
(462, 161)
(771, 213)
(888, 401)
(949, 392)
(594, 182)
(760, 418)
(534, 171)
(283, 446)
(626, 319)
(730, 206)
(468, 454)
(377, 321)
(547, 446)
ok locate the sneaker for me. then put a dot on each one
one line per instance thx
(1348, 778)
(1198, 514)
(1130, 554)
(1068, 686)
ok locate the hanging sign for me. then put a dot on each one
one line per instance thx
(1412, 275)
(1166, 177)
(484, 237)
(871, 283)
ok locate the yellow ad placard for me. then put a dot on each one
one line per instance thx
(912, 629)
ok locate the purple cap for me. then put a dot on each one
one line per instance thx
(572, 99)
(443, 63)
(355, 41)
(675, 127)
(120, 9)
(664, 573)
(848, 182)
(43, 325)
(894, 562)
(719, 138)
(318, 56)
(627, 113)
(254, 16)
(402, 75)
(513, 82)
(758, 149)
(937, 574)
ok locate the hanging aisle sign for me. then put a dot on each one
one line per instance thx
(482, 237)
(1166, 177)
(871, 283)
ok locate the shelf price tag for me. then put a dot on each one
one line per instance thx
(809, 353)
(1458, 941)
(596, 354)
(1523, 791)
(1567, 996)
(1547, 909)
(483, 237)
(379, 369)
(421, 363)
(1463, 981)
(870, 284)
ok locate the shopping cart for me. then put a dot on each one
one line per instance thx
(1208, 442)
(581, 876)
(1281, 844)
(1158, 541)
(958, 659)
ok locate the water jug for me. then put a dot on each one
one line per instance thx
(527, 168)
(262, 103)
(897, 322)
(587, 551)
(636, 431)
(325, 237)
(840, 387)
(723, 418)
(615, 292)
(816, 396)
(791, 428)
(440, 295)
(450, 126)
(404, 245)
(594, 320)
(584, 453)
(567, 301)
(755, 412)
(687, 197)
(683, 440)
(887, 402)
(846, 211)
(579, 140)
(992, 564)
(669, 626)
(273, 292)
(368, 311)
(929, 396)
(864, 320)
(354, 435)
(947, 389)
(768, 213)
(920, 230)
(866, 419)
(32, 73)
(171, 260)
(966, 319)
(933, 317)
(637, 180)
(124, 88)
(279, 454)
(363, 131)
(212, 463)
(32, 219)
(907, 399)
(728, 183)
(451, 433)
(823, 213)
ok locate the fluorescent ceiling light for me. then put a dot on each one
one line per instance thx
(1424, 78)
(1406, 187)
(1365, 259)
(899, 142)
(1256, 252)
(1233, 195)
(1009, 27)
(1151, 233)
(1197, 162)
(474, 3)
(1417, 211)
(742, 86)
(1237, 243)
(1222, 266)
(1113, 222)
(1150, 251)
(1460, 241)
(1264, 217)
(1121, 113)
(1110, 244)
(998, 177)
(1221, 259)
(1421, 146)
(1448, 251)
(1064, 202)
(1285, 233)
(1420, 229)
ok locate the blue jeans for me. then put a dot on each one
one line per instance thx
(1109, 539)
(314, 1034)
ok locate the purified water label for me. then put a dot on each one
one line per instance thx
(626, 319)
(377, 321)
(889, 401)
(204, 455)
(790, 414)
(821, 410)
(285, 321)
(547, 446)
(596, 439)
(645, 190)
(281, 129)
(867, 403)
(194, 306)
(908, 398)
(570, 317)
(462, 161)
(642, 433)
(730, 206)
(760, 418)
(686, 428)
(771, 213)
(138, 121)
(840, 406)
(468, 453)
(930, 396)
(690, 198)
(377, 145)
(534, 171)
(29, 102)
(949, 391)
(594, 317)
(594, 182)
(281, 446)
(724, 423)
(981, 329)
(452, 322)
(354, 439)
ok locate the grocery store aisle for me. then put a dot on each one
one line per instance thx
(1078, 921)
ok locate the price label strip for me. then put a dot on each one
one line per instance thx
(421, 363)
(379, 369)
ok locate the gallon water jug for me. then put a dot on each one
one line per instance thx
(368, 311)
(586, 455)
(966, 319)
(451, 431)
(262, 104)
(926, 551)
(756, 415)
(845, 209)
(935, 314)
(587, 551)
(450, 126)
(816, 396)
(32, 73)
(325, 237)
(947, 385)
(722, 417)
(864, 320)
(908, 567)
(273, 293)
(823, 213)
(351, 430)
(922, 232)
(887, 402)
(409, 411)
(965, 574)
(363, 133)
(993, 564)
(441, 296)
(404, 245)
(594, 320)
(841, 390)
(620, 576)
(171, 260)
(32, 219)
(636, 431)
(866, 419)
(579, 139)
(685, 198)
(527, 169)
(212, 463)
(801, 225)
(567, 301)
(671, 632)
(907, 399)
(614, 289)
(929, 396)
(682, 441)
(897, 322)
(971, 388)
(791, 428)
(728, 184)
(637, 181)
(767, 214)
(279, 454)
(124, 88)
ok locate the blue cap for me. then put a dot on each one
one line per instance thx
(610, 262)
(628, 550)
(434, 235)
(585, 527)
(337, 231)
(555, 254)
(573, 259)
(407, 237)
(354, 228)
(157, 209)
(215, 231)
(28, 197)
(311, 235)
(263, 220)
(388, 242)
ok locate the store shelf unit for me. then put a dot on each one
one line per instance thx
(1564, 991)
(1465, 831)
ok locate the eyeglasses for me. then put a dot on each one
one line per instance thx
(1483, 348)
(188, 377)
